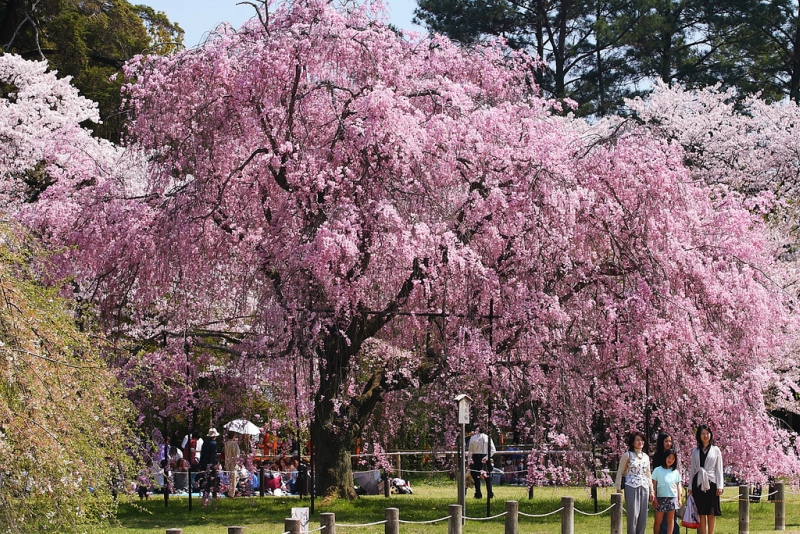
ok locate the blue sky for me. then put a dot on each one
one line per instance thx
(197, 17)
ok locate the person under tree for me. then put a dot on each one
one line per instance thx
(481, 448)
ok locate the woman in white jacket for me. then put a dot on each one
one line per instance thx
(705, 475)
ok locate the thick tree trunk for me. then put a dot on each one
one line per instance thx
(333, 469)
(339, 416)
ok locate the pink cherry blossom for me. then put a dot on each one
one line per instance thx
(322, 193)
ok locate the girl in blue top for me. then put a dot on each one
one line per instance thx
(667, 485)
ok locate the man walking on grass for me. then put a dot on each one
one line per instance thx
(481, 448)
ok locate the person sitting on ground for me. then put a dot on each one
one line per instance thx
(272, 481)
(510, 472)
(291, 484)
(175, 454)
(519, 467)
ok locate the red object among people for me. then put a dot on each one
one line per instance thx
(272, 483)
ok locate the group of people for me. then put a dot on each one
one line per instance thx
(662, 485)
(171, 464)
(514, 470)
(218, 467)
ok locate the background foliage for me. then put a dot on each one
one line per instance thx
(65, 426)
(600, 52)
(89, 41)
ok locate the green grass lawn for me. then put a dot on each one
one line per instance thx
(429, 501)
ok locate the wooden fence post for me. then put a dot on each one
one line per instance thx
(174, 531)
(455, 521)
(392, 521)
(235, 530)
(328, 520)
(780, 507)
(616, 513)
(744, 509)
(512, 517)
(291, 525)
(568, 515)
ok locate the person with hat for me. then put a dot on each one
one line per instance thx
(208, 454)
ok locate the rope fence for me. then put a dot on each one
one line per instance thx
(501, 452)
(361, 525)
(425, 522)
(541, 515)
(484, 518)
(457, 519)
(598, 513)
(755, 498)
(428, 472)
(444, 471)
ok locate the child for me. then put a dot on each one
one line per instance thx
(211, 483)
(667, 484)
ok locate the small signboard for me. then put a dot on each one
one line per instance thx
(463, 409)
(303, 515)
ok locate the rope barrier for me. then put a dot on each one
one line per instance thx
(449, 471)
(423, 522)
(344, 525)
(316, 529)
(732, 499)
(407, 453)
(358, 526)
(424, 472)
(503, 452)
(485, 518)
(598, 513)
(542, 515)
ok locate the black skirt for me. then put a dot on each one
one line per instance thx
(707, 502)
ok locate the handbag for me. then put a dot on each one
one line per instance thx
(690, 518)
(622, 486)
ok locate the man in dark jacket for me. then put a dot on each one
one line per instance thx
(208, 454)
